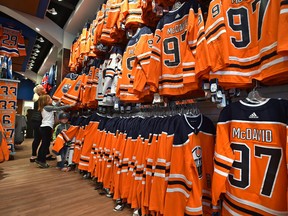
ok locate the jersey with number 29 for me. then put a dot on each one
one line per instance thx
(250, 163)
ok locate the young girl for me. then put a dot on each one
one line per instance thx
(47, 111)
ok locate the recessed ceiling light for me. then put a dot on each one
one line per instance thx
(41, 40)
(35, 54)
(33, 57)
(59, 0)
(37, 46)
(37, 29)
(36, 50)
(52, 11)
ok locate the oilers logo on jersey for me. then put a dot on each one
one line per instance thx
(65, 88)
(197, 156)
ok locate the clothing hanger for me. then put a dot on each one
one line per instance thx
(253, 96)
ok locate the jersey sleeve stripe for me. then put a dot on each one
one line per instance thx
(180, 183)
(145, 58)
(155, 53)
(252, 58)
(201, 34)
(255, 205)
(284, 11)
(157, 49)
(222, 165)
(174, 190)
(216, 36)
(192, 42)
(207, 198)
(220, 172)
(144, 54)
(156, 59)
(230, 210)
(221, 19)
(247, 211)
(197, 209)
(170, 81)
(181, 177)
(215, 30)
(229, 160)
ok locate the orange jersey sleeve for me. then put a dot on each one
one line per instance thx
(142, 53)
(283, 21)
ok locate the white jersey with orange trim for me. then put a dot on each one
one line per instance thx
(111, 76)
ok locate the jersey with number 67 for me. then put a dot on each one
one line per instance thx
(250, 160)
(243, 39)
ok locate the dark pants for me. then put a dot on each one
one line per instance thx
(46, 133)
(37, 137)
(62, 152)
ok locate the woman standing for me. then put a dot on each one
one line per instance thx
(36, 120)
(47, 111)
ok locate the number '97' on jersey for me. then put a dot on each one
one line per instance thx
(244, 42)
(250, 161)
(173, 68)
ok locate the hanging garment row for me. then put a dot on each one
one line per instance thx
(174, 59)
(134, 158)
(164, 164)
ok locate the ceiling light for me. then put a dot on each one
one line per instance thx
(37, 29)
(52, 11)
(32, 61)
(35, 54)
(33, 57)
(37, 46)
(41, 40)
(36, 50)
(59, 0)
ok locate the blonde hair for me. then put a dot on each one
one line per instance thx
(43, 101)
(38, 90)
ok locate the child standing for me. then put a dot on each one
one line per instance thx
(61, 156)
(47, 111)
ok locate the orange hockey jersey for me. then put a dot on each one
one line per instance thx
(282, 47)
(11, 43)
(172, 68)
(243, 38)
(4, 150)
(250, 161)
(132, 81)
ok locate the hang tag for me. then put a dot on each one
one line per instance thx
(206, 86)
(157, 98)
(213, 86)
(223, 102)
(122, 109)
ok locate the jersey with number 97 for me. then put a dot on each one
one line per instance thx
(250, 160)
(172, 68)
(242, 37)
